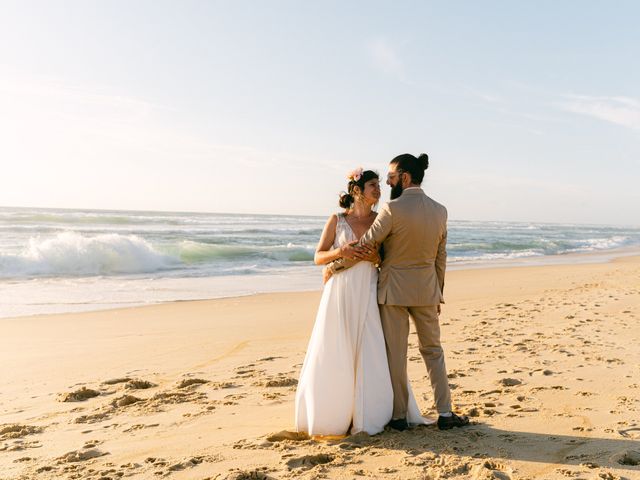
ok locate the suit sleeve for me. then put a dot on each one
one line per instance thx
(341, 264)
(441, 259)
(380, 229)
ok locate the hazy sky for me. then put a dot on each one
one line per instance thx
(528, 110)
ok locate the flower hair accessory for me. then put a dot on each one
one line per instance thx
(355, 175)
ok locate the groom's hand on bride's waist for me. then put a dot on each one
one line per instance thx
(354, 253)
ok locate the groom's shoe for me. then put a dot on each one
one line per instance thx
(399, 424)
(445, 423)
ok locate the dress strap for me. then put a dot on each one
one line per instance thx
(340, 223)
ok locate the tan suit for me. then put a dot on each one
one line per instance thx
(413, 230)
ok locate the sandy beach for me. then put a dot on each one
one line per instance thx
(544, 359)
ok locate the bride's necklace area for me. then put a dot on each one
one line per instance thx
(359, 217)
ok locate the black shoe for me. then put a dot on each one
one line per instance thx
(400, 424)
(445, 423)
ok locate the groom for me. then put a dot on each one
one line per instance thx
(413, 231)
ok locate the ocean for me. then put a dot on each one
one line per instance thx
(60, 260)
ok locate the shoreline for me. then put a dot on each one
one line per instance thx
(580, 258)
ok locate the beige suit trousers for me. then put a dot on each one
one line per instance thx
(395, 324)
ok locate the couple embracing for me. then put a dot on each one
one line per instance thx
(354, 376)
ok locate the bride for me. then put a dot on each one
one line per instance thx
(345, 384)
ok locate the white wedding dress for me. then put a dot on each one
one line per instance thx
(345, 379)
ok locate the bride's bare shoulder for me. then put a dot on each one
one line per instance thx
(332, 220)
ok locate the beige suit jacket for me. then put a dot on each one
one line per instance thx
(413, 230)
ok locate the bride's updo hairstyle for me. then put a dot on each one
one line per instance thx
(412, 165)
(356, 178)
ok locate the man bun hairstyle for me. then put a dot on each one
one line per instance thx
(347, 199)
(424, 158)
(414, 166)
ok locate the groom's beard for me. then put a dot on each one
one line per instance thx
(396, 190)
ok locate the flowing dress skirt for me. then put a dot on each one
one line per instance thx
(344, 384)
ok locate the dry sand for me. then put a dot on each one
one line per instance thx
(546, 361)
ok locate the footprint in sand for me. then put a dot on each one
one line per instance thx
(140, 426)
(491, 470)
(627, 457)
(190, 463)
(510, 382)
(249, 475)
(309, 461)
(125, 400)
(15, 432)
(355, 441)
(19, 445)
(234, 397)
(287, 435)
(221, 385)
(138, 384)
(190, 382)
(94, 418)
(247, 371)
(164, 398)
(445, 466)
(586, 394)
(279, 381)
(91, 444)
(10, 431)
(80, 455)
(272, 395)
(79, 395)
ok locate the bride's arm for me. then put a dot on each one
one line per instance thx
(325, 254)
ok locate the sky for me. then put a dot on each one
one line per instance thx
(529, 111)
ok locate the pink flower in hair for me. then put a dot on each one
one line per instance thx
(355, 175)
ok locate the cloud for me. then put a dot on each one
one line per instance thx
(385, 58)
(67, 99)
(65, 116)
(622, 111)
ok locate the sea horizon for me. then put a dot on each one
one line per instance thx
(319, 215)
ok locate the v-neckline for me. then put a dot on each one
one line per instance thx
(344, 217)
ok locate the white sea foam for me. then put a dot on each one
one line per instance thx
(493, 256)
(71, 253)
(605, 243)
